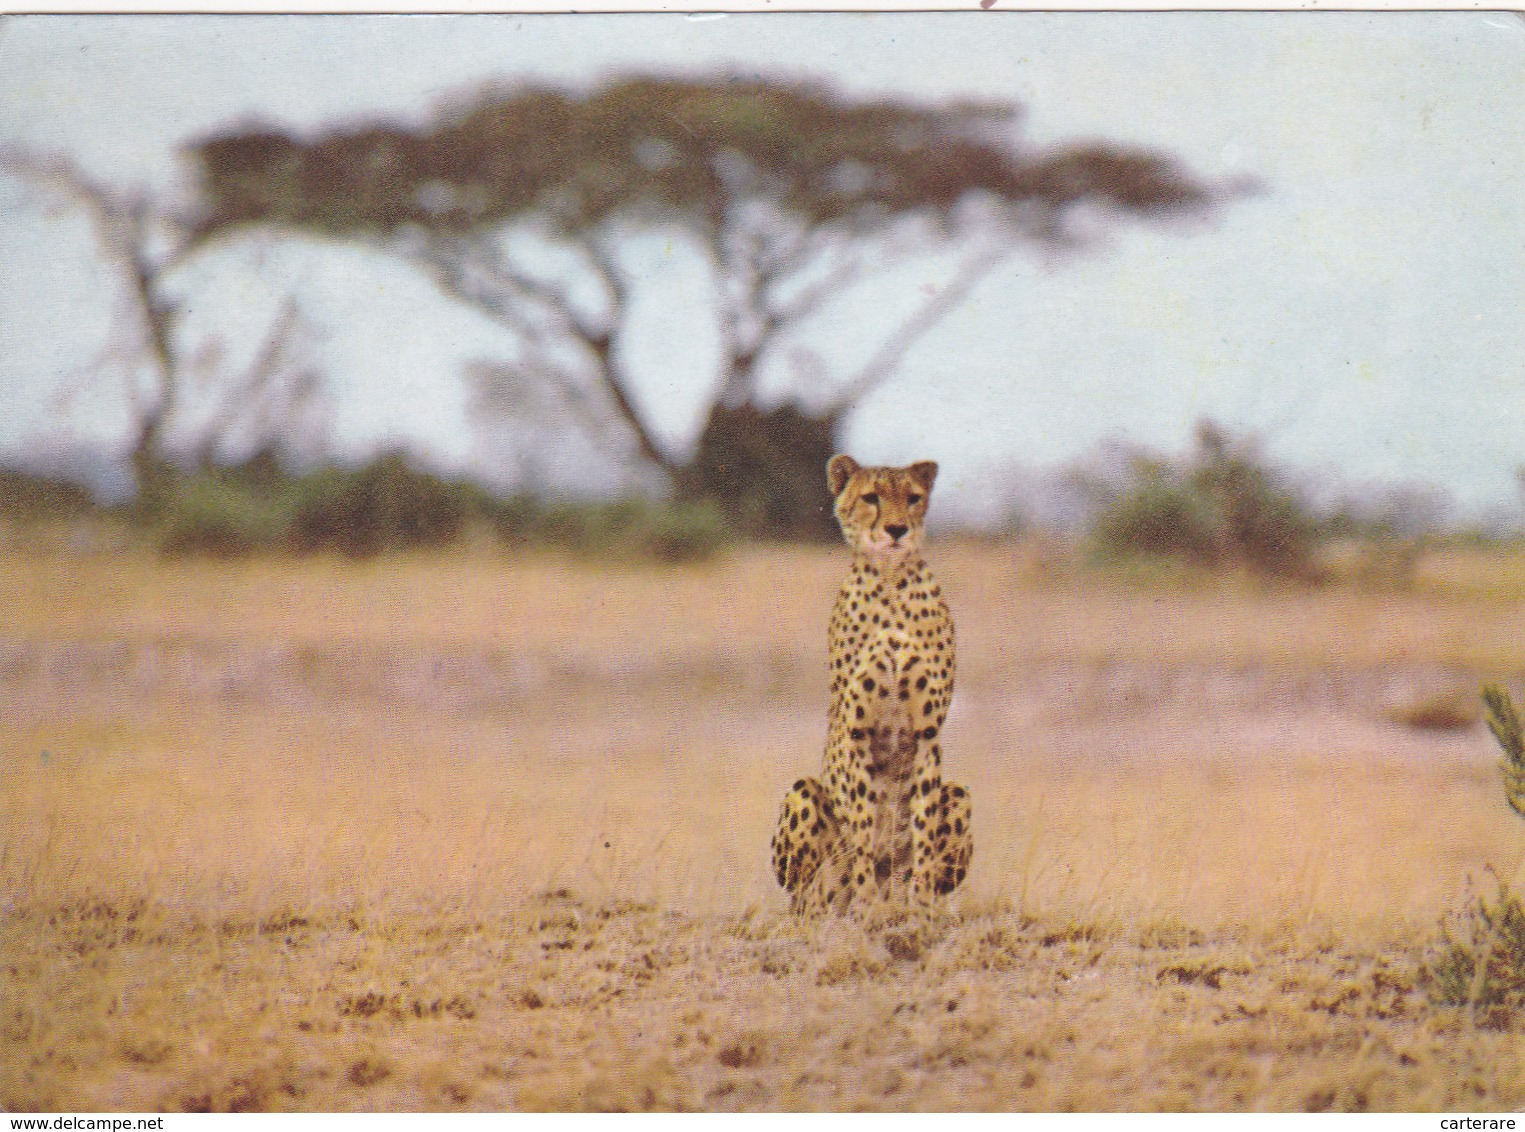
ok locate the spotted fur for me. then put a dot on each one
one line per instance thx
(880, 823)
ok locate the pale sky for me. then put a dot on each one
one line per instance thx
(1362, 315)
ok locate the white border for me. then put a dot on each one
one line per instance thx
(593, 7)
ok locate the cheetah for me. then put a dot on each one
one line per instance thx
(880, 823)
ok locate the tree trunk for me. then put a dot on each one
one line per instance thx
(766, 470)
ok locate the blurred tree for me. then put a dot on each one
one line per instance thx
(793, 193)
(146, 243)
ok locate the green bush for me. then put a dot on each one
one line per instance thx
(685, 532)
(208, 513)
(515, 519)
(358, 512)
(1223, 508)
(31, 497)
(1157, 517)
(388, 505)
(385, 504)
(766, 469)
(589, 529)
(630, 528)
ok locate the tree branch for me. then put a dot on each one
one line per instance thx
(752, 265)
(491, 284)
(128, 228)
(493, 384)
(122, 224)
(603, 260)
(809, 299)
(886, 360)
(252, 395)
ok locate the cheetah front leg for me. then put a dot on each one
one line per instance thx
(871, 730)
(927, 795)
(952, 840)
(926, 689)
(807, 837)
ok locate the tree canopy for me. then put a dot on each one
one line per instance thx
(691, 147)
(794, 193)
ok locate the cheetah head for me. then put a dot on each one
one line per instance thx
(881, 510)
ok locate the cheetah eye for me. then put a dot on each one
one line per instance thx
(871, 498)
(913, 499)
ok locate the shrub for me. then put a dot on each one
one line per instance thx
(1485, 967)
(766, 469)
(31, 497)
(358, 512)
(388, 505)
(515, 520)
(1223, 508)
(1157, 517)
(685, 532)
(624, 528)
(383, 505)
(590, 529)
(208, 513)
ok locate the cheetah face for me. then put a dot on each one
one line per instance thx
(881, 510)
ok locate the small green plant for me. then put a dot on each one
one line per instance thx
(1482, 964)
(1484, 968)
(1504, 722)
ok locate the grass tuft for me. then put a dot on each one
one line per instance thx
(1481, 963)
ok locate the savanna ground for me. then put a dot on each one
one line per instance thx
(483, 831)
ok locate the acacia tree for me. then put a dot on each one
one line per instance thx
(794, 194)
(146, 243)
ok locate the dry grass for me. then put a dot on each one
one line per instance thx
(258, 851)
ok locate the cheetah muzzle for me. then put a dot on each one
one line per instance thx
(880, 824)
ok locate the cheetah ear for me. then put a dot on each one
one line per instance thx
(840, 469)
(924, 473)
